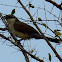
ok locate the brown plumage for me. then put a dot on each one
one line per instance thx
(24, 30)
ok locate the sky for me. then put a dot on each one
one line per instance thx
(10, 53)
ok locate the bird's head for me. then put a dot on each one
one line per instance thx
(11, 18)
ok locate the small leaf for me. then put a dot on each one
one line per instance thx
(49, 56)
(13, 11)
(39, 19)
(56, 30)
(57, 33)
(44, 24)
(32, 51)
(30, 5)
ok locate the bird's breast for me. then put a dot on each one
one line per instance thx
(18, 34)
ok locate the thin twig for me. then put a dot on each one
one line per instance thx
(55, 4)
(21, 48)
(16, 41)
(3, 29)
(57, 55)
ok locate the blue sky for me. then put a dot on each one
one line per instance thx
(11, 54)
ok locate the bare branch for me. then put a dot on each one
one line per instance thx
(18, 44)
(55, 4)
(57, 55)
(16, 41)
(3, 29)
(21, 48)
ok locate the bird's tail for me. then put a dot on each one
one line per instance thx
(37, 36)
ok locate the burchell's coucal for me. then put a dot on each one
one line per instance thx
(24, 30)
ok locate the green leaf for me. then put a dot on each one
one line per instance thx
(49, 56)
(32, 51)
(44, 24)
(57, 33)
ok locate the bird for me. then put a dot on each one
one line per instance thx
(23, 30)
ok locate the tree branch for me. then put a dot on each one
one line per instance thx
(55, 4)
(3, 29)
(57, 55)
(18, 44)
(16, 41)
(21, 48)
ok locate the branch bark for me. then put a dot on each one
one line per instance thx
(21, 48)
(55, 4)
(16, 41)
(18, 44)
(57, 55)
(3, 29)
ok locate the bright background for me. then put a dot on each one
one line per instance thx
(10, 53)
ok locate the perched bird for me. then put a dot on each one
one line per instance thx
(24, 30)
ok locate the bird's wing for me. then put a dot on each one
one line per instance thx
(24, 28)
